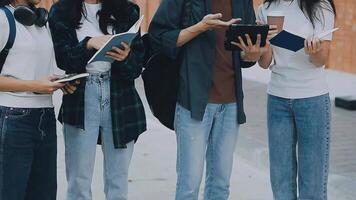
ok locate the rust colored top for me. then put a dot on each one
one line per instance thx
(223, 84)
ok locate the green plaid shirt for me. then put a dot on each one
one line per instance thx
(128, 116)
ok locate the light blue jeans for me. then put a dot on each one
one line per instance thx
(80, 146)
(299, 132)
(213, 139)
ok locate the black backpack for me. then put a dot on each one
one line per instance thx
(161, 78)
(11, 39)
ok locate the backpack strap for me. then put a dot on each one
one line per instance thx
(11, 38)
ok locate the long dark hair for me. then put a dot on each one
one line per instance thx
(112, 12)
(310, 7)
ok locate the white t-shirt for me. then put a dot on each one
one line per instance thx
(31, 57)
(90, 28)
(293, 74)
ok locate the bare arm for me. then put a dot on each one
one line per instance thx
(318, 51)
(45, 86)
(209, 22)
(266, 59)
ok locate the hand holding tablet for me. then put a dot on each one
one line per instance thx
(240, 36)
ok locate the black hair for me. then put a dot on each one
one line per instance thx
(112, 12)
(4, 2)
(310, 7)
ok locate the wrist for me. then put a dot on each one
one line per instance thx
(201, 27)
(89, 45)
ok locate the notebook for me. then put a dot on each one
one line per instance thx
(116, 40)
(293, 42)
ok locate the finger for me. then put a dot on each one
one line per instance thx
(238, 45)
(259, 22)
(310, 45)
(273, 32)
(306, 46)
(242, 43)
(64, 91)
(318, 44)
(216, 16)
(117, 50)
(68, 90)
(113, 54)
(234, 21)
(77, 82)
(72, 87)
(57, 85)
(125, 45)
(320, 47)
(249, 41)
(53, 78)
(258, 41)
(116, 58)
(273, 27)
(122, 55)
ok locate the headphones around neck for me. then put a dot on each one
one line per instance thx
(30, 15)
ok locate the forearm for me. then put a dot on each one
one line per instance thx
(318, 59)
(8, 84)
(266, 59)
(189, 34)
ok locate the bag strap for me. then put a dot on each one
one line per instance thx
(12, 35)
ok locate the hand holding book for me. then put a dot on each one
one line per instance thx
(119, 53)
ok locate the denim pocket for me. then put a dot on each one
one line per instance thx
(16, 113)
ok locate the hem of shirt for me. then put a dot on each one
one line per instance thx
(299, 95)
(11, 101)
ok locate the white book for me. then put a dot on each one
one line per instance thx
(326, 33)
(71, 77)
(116, 40)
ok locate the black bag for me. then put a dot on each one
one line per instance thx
(161, 78)
(12, 35)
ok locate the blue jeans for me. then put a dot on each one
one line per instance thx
(299, 132)
(213, 139)
(28, 154)
(80, 146)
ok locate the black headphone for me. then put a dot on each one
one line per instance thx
(30, 15)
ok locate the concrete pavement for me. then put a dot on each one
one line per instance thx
(152, 175)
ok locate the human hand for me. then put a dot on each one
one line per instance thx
(46, 85)
(70, 87)
(312, 46)
(213, 21)
(119, 54)
(98, 42)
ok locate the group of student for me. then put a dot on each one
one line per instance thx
(105, 107)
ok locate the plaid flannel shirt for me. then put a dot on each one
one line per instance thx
(128, 116)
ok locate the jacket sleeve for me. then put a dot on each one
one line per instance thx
(165, 27)
(71, 55)
(249, 18)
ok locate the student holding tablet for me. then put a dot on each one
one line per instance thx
(209, 108)
(106, 106)
(298, 99)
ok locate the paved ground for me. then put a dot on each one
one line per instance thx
(152, 174)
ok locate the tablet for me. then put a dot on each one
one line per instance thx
(237, 30)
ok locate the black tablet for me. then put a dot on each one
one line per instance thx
(237, 30)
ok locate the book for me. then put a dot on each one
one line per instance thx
(294, 42)
(116, 40)
(71, 77)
